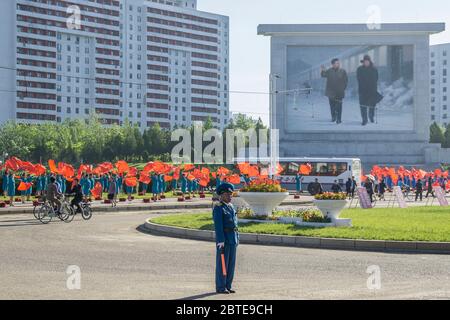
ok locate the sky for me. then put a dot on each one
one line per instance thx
(250, 53)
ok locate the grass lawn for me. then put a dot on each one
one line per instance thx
(413, 224)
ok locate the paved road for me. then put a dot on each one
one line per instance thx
(119, 262)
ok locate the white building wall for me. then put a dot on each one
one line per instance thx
(161, 39)
(7, 60)
(440, 104)
(110, 66)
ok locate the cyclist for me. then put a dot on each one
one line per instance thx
(77, 191)
(53, 193)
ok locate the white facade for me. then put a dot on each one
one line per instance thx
(145, 61)
(439, 62)
(174, 67)
(8, 61)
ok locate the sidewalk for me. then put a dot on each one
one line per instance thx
(139, 205)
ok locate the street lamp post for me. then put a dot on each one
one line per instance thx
(274, 147)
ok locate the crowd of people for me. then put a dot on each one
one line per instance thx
(377, 188)
(157, 178)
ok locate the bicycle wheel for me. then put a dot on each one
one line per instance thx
(36, 212)
(45, 214)
(65, 212)
(86, 212)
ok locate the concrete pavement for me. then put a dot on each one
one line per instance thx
(119, 262)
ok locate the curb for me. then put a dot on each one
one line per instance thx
(121, 209)
(147, 207)
(305, 242)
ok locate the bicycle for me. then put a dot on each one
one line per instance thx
(47, 212)
(408, 194)
(86, 211)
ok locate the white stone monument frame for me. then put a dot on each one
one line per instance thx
(317, 144)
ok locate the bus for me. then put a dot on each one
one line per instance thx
(327, 170)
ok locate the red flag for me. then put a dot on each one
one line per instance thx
(66, 170)
(234, 179)
(305, 169)
(122, 166)
(205, 171)
(176, 174)
(144, 179)
(132, 171)
(24, 186)
(253, 171)
(39, 169)
(243, 167)
(279, 169)
(131, 181)
(203, 183)
(223, 171)
(13, 164)
(97, 191)
(52, 166)
(422, 174)
(188, 167)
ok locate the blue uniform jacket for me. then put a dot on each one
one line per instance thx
(226, 224)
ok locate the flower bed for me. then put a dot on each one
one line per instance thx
(263, 196)
(331, 196)
(307, 215)
(264, 185)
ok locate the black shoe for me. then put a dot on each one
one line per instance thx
(364, 124)
(339, 122)
(231, 291)
(223, 292)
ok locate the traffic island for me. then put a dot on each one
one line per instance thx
(416, 230)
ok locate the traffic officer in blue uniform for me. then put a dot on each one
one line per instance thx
(227, 238)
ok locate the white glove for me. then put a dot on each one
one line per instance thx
(221, 245)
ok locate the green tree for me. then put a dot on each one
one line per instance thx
(436, 134)
(446, 143)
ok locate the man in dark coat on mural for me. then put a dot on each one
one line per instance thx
(369, 97)
(337, 81)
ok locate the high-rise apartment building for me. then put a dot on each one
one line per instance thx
(440, 111)
(146, 61)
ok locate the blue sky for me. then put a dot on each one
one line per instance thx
(249, 53)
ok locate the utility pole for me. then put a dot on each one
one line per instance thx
(274, 147)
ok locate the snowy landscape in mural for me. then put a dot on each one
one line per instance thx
(308, 108)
